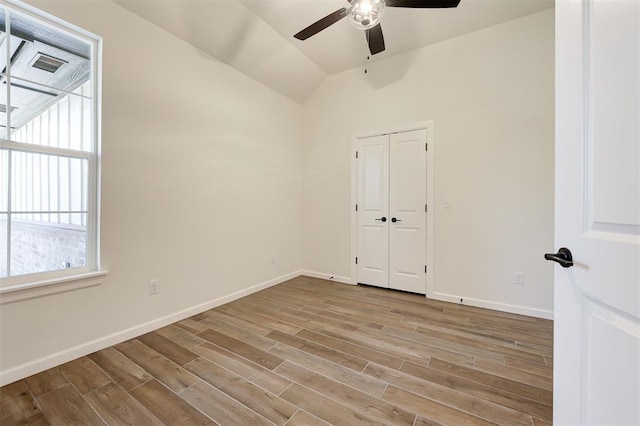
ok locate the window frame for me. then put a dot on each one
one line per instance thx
(49, 282)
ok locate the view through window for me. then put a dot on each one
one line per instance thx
(48, 147)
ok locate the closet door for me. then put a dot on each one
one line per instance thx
(373, 211)
(407, 211)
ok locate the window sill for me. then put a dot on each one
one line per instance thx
(30, 290)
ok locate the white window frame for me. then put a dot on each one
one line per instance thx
(39, 284)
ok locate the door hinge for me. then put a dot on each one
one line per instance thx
(356, 260)
(425, 269)
(426, 146)
(356, 207)
(356, 154)
(425, 208)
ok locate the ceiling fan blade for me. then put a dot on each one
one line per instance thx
(419, 4)
(320, 25)
(375, 39)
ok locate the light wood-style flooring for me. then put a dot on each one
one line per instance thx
(307, 352)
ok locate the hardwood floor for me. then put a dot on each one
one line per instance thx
(307, 352)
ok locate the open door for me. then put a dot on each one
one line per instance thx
(597, 286)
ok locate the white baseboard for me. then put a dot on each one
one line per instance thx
(50, 361)
(497, 306)
(328, 277)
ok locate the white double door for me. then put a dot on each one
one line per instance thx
(391, 210)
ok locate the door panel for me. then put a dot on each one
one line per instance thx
(407, 199)
(597, 301)
(373, 203)
(372, 259)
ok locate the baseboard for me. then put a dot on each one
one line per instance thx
(328, 277)
(497, 306)
(42, 364)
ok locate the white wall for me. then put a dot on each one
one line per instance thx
(490, 94)
(201, 183)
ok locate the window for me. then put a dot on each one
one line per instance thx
(49, 150)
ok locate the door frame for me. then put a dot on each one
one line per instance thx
(430, 196)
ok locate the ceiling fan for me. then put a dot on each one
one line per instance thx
(365, 15)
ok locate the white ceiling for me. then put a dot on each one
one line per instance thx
(256, 36)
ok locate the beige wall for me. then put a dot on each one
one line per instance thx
(490, 95)
(201, 183)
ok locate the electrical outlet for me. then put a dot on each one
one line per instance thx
(446, 202)
(518, 278)
(154, 286)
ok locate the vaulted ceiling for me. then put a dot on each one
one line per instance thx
(256, 36)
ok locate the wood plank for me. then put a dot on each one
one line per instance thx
(180, 336)
(248, 370)
(534, 349)
(545, 383)
(116, 406)
(191, 325)
(320, 320)
(365, 319)
(396, 347)
(329, 369)
(483, 347)
(167, 406)
(221, 408)
(459, 400)
(85, 374)
(302, 418)
(284, 314)
(347, 395)
(480, 390)
(321, 351)
(265, 317)
(423, 421)
(283, 298)
(243, 349)
(449, 344)
(326, 409)
(121, 369)
(431, 409)
(46, 381)
(352, 349)
(232, 317)
(172, 375)
(14, 389)
(17, 405)
(531, 367)
(66, 406)
(268, 405)
(367, 309)
(494, 381)
(357, 321)
(236, 333)
(36, 420)
(168, 348)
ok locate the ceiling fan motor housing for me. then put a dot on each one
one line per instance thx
(365, 14)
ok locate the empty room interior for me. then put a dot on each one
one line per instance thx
(252, 228)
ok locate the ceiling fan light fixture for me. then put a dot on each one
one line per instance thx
(365, 14)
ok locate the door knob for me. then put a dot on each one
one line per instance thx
(563, 257)
(382, 219)
(394, 220)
